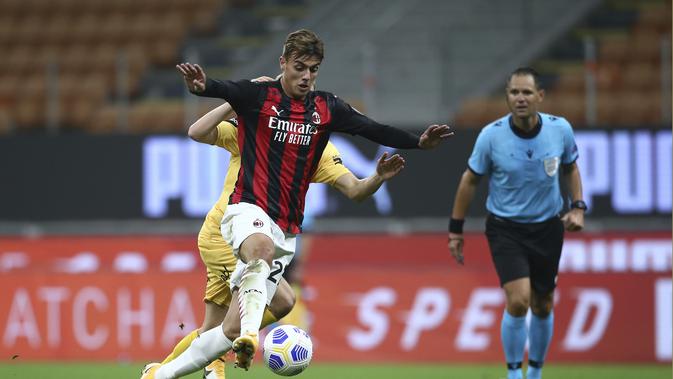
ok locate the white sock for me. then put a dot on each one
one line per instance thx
(252, 295)
(207, 347)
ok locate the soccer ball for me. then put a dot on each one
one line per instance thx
(287, 350)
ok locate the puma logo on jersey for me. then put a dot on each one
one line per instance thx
(278, 112)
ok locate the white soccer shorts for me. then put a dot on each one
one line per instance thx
(242, 220)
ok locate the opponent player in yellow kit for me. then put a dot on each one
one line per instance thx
(218, 256)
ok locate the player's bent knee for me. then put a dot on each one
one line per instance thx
(542, 310)
(542, 304)
(518, 306)
(258, 246)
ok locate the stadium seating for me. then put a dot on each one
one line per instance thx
(79, 41)
(83, 43)
(627, 70)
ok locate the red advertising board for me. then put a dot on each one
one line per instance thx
(98, 317)
(402, 298)
(396, 315)
(371, 298)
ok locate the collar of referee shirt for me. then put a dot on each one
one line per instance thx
(524, 134)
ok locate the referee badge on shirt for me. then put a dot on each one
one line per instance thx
(551, 165)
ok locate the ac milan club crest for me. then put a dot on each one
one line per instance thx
(257, 223)
(315, 118)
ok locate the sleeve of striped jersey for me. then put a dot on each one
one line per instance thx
(241, 94)
(330, 167)
(227, 137)
(480, 160)
(348, 120)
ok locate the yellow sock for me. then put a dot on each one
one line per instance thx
(268, 318)
(181, 346)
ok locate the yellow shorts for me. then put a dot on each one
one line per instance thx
(219, 259)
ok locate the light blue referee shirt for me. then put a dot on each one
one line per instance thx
(523, 168)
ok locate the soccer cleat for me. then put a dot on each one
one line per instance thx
(215, 370)
(245, 347)
(149, 370)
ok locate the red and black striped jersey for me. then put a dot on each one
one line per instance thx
(281, 140)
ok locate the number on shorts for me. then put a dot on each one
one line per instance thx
(274, 276)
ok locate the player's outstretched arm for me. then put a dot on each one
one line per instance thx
(204, 129)
(194, 76)
(434, 135)
(241, 94)
(360, 189)
(349, 120)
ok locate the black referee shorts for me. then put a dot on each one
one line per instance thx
(526, 250)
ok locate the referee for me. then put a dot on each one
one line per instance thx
(523, 153)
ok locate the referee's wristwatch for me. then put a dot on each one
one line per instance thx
(579, 204)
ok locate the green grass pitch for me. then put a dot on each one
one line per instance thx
(51, 370)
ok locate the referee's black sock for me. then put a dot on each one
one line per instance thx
(536, 364)
(513, 365)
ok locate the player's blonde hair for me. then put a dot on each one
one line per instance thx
(303, 44)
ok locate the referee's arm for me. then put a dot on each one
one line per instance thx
(573, 220)
(571, 174)
(465, 194)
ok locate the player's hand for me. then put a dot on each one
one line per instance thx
(434, 135)
(573, 221)
(386, 167)
(194, 77)
(456, 242)
(262, 79)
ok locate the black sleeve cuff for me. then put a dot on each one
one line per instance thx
(570, 164)
(474, 172)
(214, 88)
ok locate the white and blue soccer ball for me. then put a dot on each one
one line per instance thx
(287, 350)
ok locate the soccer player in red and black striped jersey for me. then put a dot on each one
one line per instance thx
(283, 129)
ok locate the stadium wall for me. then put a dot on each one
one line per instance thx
(625, 173)
(397, 298)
